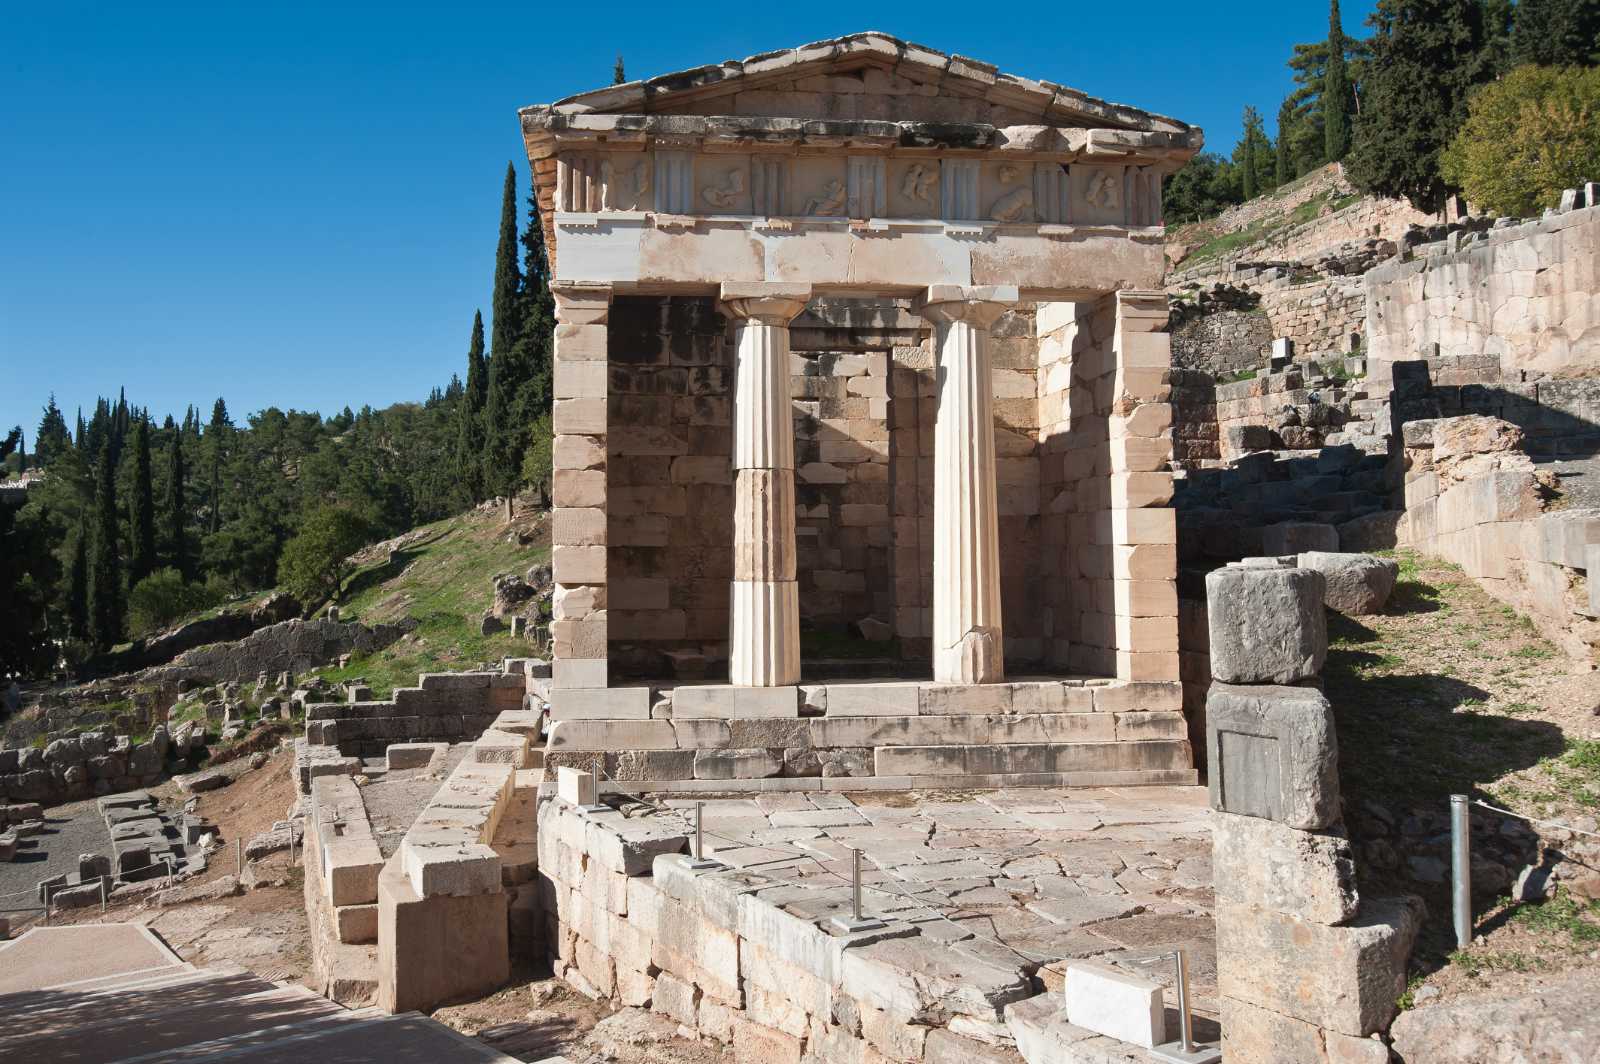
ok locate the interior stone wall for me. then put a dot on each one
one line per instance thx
(669, 522)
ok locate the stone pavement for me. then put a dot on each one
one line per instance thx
(1037, 877)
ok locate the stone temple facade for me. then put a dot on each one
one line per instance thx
(860, 337)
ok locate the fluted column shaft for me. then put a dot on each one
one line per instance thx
(764, 635)
(968, 641)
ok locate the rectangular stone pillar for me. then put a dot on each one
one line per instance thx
(1144, 534)
(578, 515)
(764, 630)
(968, 640)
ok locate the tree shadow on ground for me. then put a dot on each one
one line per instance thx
(378, 574)
(1412, 596)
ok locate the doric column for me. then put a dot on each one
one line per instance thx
(764, 635)
(968, 644)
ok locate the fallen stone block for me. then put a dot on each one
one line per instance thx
(1266, 624)
(1554, 1021)
(1346, 979)
(200, 782)
(1273, 753)
(578, 788)
(1107, 1001)
(412, 755)
(1354, 584)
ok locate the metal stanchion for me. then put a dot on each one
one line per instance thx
(47, 905)
(698, 860)
(102, 893)
(1184, 1050)
(1461, 869)
(238, 856)
(856, 921)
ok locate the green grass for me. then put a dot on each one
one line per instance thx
(1563, 916)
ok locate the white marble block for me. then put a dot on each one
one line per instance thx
(1109, 1002)
(578, 788)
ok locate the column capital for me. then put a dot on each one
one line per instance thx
(768, 302)
(581, 302)
(977, 305)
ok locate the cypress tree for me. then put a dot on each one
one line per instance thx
(216, 445)
(617, 76)
(83, 431)
(141, 508)
(105, 558)
(176, 512)
(1335, 91)
(78, 584)
(1427, 56)
(1283, 165)
(507, 278)
(469, 416)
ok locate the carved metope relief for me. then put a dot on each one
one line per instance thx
(867, 194)
(674, 182)
(959, 181)
(830, 202)
(626, 180)
(1099, 195)
(1015, 203)
(726, 192)
(918, 183)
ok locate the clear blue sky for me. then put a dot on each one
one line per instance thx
(295, 204)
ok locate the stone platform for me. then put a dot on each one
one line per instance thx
(888, 734)
(985, 897)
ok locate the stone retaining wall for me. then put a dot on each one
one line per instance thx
(1472, 498)
(632, 922)
(443, 707)
(1524, 293)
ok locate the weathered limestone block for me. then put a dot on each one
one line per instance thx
(1267, 625)
(576, 787)
(1356, 584)
(1274, 754)
(740, 764)
(929, 980)
(724, 702)
(1553, 1021)
(1306, 874)
(1253, 1035)
(1345, 979)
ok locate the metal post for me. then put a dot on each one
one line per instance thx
(1461, 869)
(47, 905)
(238, 856)
(856, 921)
(102, 893)
(291, 844)
(698, 861)
(1185, 1022)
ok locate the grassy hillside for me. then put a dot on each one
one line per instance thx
(441, 577)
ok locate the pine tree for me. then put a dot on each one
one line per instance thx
(617, 75)
(216, 446)
(469, 416)
(1427, 56)
(83, 432)
(141, 508)
(1335, 91)
(1247, 156)
(105, 558)
(176, 511)
(1556, 32)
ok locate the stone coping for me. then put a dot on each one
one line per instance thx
(1186, 777)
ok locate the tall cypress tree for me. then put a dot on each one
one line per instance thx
(1427, 56)
(105, 557)
(141, 508)
(1335, 91)
(617, 75)
(469, 416)
(78, 583)
(216, 446)
(176, 536)
(506, 307)
(504, 432)
(1283, 163)
(52, 437)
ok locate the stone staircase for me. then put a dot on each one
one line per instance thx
(176, 1012)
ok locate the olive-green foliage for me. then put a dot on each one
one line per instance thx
(313, 565)
(1527, 137)
(162, 598)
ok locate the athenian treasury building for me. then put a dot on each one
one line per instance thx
(862, 432)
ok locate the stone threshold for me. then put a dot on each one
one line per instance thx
(1186, 777)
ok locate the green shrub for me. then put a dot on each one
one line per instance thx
(1528, 137)
(162, 598)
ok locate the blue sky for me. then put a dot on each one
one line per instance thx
(296, 204)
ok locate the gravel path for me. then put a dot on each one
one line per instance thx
(70, 830)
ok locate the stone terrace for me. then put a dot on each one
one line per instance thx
(987, 896)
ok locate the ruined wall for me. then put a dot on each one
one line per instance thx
(1523, 293)
(1223, 341)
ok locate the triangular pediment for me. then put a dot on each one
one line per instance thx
(865, 77)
